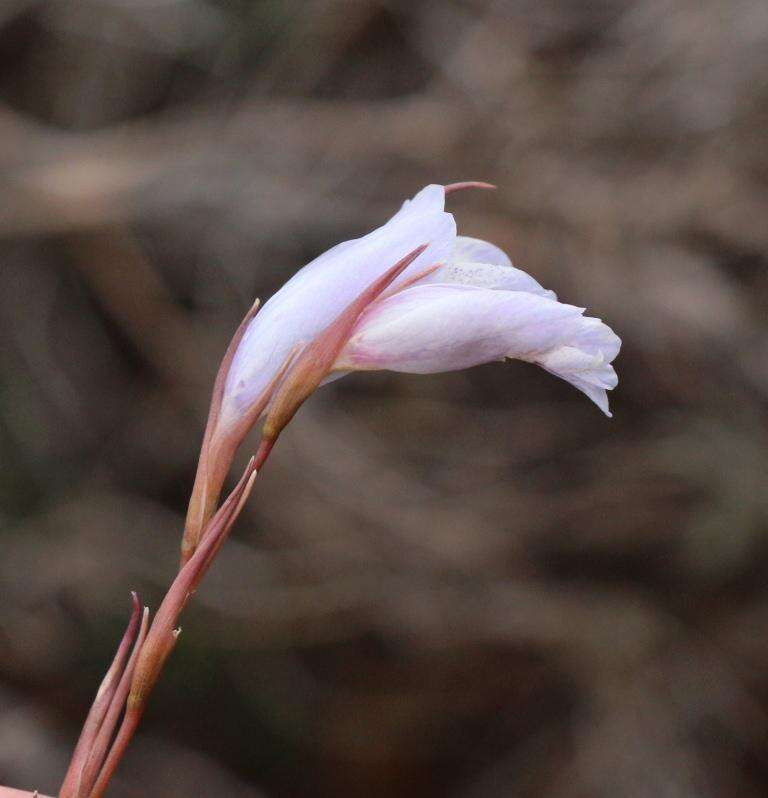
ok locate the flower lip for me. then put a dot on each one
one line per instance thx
(434, 327)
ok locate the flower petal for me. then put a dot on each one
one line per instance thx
(431, 199)
(488, 275)
(316, 294)
(484, 265)
(432, 328)
(479, 251)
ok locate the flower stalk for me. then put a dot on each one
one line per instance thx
(73, 783)
(164, 632)
(131, 679)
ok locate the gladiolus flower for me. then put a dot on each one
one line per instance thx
(475, 307)
(411, 296)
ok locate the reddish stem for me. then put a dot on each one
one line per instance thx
(124, 735)
(101, 744)
(162, 634)
(101, 703)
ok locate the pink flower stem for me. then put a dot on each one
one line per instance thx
(101, 744)
(127, 685)
(100, 707)
(147, 665)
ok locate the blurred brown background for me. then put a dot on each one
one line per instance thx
(461, 585)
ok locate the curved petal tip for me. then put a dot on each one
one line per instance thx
(451, 187)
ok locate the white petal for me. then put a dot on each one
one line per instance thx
(488, 275)
(316, 294)
(431, 328)
(479, 251)
(479, 263)
(585, 361)
(431, 199)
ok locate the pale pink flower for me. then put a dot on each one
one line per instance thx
(475, 307)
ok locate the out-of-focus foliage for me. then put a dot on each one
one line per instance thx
(464, 585)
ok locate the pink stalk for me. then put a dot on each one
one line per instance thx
(99, 708)
(101, 744)
(9, 792)
(163, 633)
